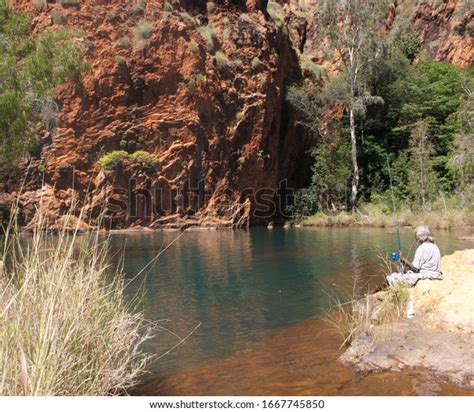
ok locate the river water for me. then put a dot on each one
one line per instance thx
(256, 296)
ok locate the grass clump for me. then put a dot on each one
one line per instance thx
(193, 47)
(208, 33)
(211, 7)
(194, 83)
(221, 60)
(142, 32)
(110, 16)
(439, 215)
(59, 18)
(256, 63)
(143, 29)
(124, 42)
(276, 13)
(65, 328)
(69, 3)
(139, 7)
(351, 313)
(188, 19)
(40, 5)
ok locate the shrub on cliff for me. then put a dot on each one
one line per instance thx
(188, 19)
(208, 33)
(142, 32)
(141, 158)
(40, 5)
(112, 159)
(221, 60)
(68, 3)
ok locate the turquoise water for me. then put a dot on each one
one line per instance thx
(239, 285)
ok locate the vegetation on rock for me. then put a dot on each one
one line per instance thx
(31, 66)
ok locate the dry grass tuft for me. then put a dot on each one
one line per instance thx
(65, 328)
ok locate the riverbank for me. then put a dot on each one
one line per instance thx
(438, 338)
(374, 216)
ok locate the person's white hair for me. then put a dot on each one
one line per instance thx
(423, 233)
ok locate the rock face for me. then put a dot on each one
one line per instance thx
(438, 338)
(203, 91)
(206, 99)
(446, 28)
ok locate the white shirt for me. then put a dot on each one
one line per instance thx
(427, 257)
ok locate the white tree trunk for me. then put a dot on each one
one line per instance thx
(355, 166)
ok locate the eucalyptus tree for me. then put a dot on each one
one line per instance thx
(357, 38)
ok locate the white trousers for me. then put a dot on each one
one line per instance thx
(410, 278)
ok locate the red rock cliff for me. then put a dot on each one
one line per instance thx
(215, 121)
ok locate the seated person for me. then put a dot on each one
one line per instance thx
(425, 265)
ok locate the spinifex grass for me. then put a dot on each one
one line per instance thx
(351, 313)
(65, 328)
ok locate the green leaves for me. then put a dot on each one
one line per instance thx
(31, 66)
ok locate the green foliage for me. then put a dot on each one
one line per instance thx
(313, 69)
(31, 66)
(409, 43)
(194, 83)
(68, 3)
(64, 167)
(142, 32)
(144, 159)
(422, 177)
(42, 168)
(193, 47)
(140, 158)
(188, 19)
(414, 150)
(121, 61)
(110, 16)
(40, 5)
(139, 6)
(59, 18)
(221, 60)
(276, 13)
(208, 33)
(111, 160)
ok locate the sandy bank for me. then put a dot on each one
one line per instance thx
(439, 337)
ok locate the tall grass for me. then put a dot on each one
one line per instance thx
(374, 216)
(65, 328)
(351, 313)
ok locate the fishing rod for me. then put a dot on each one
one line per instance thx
(394, 255)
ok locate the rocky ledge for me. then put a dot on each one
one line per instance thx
(438, 338)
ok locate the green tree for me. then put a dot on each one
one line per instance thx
(423, 178)
(31, 66)
(353, 27)
(461, 159)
